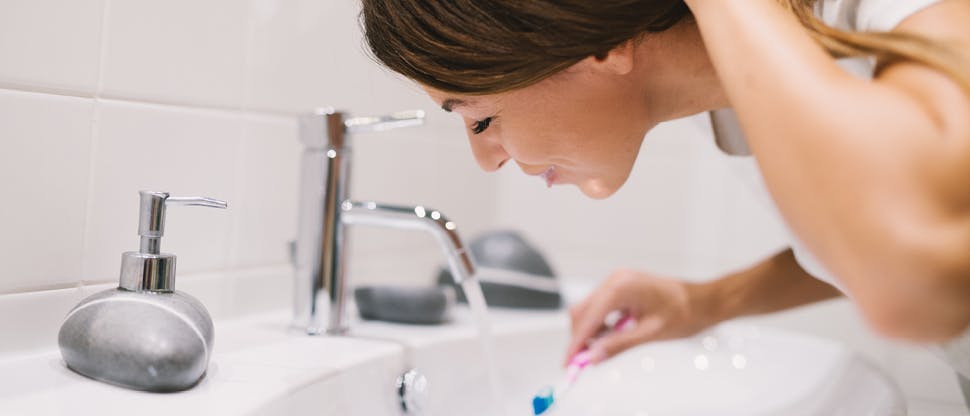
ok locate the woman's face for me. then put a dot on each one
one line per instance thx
(583, 126)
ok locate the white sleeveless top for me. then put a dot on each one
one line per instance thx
(853, 15)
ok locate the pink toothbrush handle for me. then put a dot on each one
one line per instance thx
(584, 358)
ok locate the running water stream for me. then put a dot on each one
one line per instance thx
(476, 301)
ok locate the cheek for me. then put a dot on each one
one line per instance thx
(531, 143)
(587, 132)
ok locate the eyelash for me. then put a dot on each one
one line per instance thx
(480, 126)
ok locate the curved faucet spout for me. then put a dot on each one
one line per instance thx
(415, 218)
(319, 253)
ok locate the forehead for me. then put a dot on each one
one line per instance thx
(447, 101)
(451, 101)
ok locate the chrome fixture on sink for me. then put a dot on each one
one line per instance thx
(325, 211)
(144, 334)
(412, 391)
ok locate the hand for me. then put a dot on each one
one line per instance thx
(663, 309)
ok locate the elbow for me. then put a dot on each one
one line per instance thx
(919, 290)
(939, 260)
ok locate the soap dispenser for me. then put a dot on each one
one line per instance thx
(143, 335)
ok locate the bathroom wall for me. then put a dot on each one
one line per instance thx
(102, 98)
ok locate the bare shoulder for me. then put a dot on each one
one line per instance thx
(946, 19)
(937, 94)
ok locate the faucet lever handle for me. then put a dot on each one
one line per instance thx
(386, 122)
(197, 201)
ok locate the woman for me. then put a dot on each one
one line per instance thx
(871, 173)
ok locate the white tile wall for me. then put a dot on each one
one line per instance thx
(299, 61)
(198, 98)
(266, 197)
(50, 44)
(44, 168)
(176, 51)
(260, 290)
(161, 148)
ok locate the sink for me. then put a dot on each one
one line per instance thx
(261, 367)
(733, 369)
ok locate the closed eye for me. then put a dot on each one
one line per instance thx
(480, 126)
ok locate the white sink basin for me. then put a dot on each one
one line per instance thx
(260, 367)
(731, 370)
(735, 370)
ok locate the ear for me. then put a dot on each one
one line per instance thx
(619, 60)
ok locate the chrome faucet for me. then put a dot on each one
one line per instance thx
(325, 211)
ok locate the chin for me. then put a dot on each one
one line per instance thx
(597, 189)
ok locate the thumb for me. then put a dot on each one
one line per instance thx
(617, 342)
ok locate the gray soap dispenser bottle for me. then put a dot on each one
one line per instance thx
(143, 335)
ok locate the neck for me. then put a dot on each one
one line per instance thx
(679, 78)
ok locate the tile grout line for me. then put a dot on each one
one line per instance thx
(281, 115)
(101, 96)
(270, 269)
(94, 140)
(242, 151)
(39, 89)
(102, 48)
(248, 58)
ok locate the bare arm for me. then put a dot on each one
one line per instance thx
(775, 284)
(874, 176)
(670, 308)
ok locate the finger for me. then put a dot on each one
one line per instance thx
(591, 321)
(577, 311)
(617, 342)
(575, 314)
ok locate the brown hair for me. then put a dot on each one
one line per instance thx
(489, 46)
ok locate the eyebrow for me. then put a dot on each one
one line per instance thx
(451, 103)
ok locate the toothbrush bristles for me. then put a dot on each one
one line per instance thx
(543, 400)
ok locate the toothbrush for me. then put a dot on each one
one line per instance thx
(544, 399)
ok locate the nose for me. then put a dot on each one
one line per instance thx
(489, 154)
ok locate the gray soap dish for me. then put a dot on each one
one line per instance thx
(143, 335)
(404, 304)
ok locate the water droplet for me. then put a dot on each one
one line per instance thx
(739, 361)
(701, 362)
(710, 343)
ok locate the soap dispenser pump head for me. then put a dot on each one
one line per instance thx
(149, 269)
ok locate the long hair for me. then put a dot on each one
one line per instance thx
(477, 47)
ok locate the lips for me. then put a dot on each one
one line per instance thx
(549, 175)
